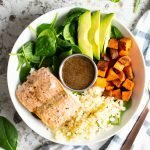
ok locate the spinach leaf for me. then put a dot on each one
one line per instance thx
(137, 2)
(54, 21)
(55, 66)
(73, 30)
(42, 27)
(74, 14)
(76, 10)
(67, 35)
(8, 134)
(27, 50)
(25, 54)
(59, 30)
(63, 55)
(115, 33)
(21, 60)
(24, 72)
(45, 26)
(46, 43)
(47, 62)
(127, 104)
(115, 1)
(64, 44)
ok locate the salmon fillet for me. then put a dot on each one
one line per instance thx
(44, 95)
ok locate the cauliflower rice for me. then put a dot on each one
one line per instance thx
(95, 114)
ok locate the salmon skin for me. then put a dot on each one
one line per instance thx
(44, 95)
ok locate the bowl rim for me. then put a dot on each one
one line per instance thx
(87, 142)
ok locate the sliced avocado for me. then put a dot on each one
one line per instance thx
(105, 26)
(84, 25)
(94, 34)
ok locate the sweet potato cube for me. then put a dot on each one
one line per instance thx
(102, 67)
(117, 83)
(112, 75)
(109, 86)
(121, 76)
(116, 94)
(128, 72)
(118, 66)
(101, 82)
(126, 95)
(113, 43)
(125, 60)
(125, 44)
(107, 93)
(105, 57)
(123, 53)
(113, 53)
(128, 84)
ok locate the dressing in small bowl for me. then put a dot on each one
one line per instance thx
(78, 72)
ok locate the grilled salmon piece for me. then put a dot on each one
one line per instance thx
(56, 113)
(44, 95)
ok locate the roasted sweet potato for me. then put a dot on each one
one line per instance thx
(101, 82)
(123, 53)
(119, 66)
(126, 95)
(124, 44)
(113, 43)
(116, 94)
(107, 93)
(125, 60)
(117, 83)
(109, 86)
(105, 57)
(111, 63)
(128, 84)
(113, 53)
(102, 67)
(121, 76)
(128, 72)
(111, 75)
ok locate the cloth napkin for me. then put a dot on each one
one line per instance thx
(142, 141)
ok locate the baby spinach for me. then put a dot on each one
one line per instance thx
(73, 30)
(8, 134)
(45, 26)
(115, 33)
(65, 44)
(24, 72)
(63, 55)
(27, 50)
(59, 30)
(42, 27)
(74, 14)
(67, 35)
(55, 66)
(25, 53)
(46, 43)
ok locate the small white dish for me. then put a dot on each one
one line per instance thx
(35, 124)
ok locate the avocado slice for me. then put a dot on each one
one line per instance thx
(94, 32)
(105, 26)
(84, 25)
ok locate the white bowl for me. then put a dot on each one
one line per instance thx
(37, 125)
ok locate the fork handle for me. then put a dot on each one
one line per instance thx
(133, 133)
